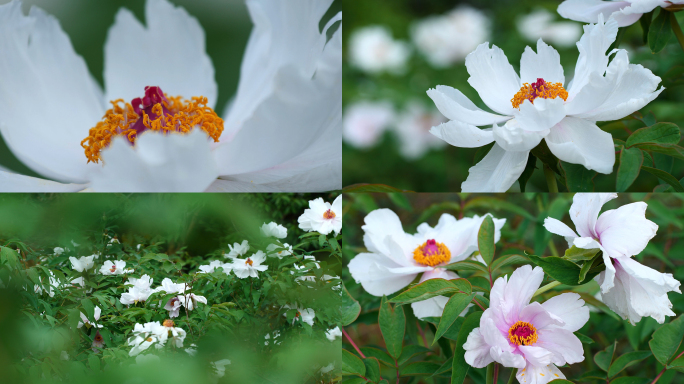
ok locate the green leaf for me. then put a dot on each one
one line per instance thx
(460, 368)
(584, 338)
(9, 257)
(563, 270)
(508, 260)
(672, 150)
(645, 21)
(349, 308)
(381, 355)
(485, 239)
(666, 340)
(321, 240)
(561, 381)
(89, 308)
(466, 265)
(605, 357)
(677, 364)
(411, 351)
(543, 153)
(357, 188)
(431, 288)
(492, 203)
(631, 380)
(527, 173)
(352, 365)
(94, 362)
(400, 200)
(658, 133)
(626, 360)
(372, 368)
(444, 368)
(575, 254)
(453, 308)
(631, 160)
(392, 323)
(578, 178)
(659, 32)
(419, 368)
(665, 177)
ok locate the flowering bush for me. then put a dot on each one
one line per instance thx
(120, 304)
(486, 307)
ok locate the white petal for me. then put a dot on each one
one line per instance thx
(496, 172)
(533, 374)
(632, 87)
(453, 104)
(500, 348)
(625, 231)
(569, 307)
(381, 224)
(509, 297)
(512, 137)
(12, 182)
(433, 307)
(493, 77)
(536, 355)
(592, 48)
(580, 141)
(48, 100)
(169, 52)
(538, 316)
(588, 11)
(463, 135)
(606, 279)
(540, 115)
(477, 350)
(544, 64)
(645, 6)
(379, 275)
(157, 163)
(284, 35)
(585, 209)
(559, 228)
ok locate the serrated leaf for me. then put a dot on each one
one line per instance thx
(431, 288)
(665, 340)
(453, 308)
(459, 369)
(392, 323)
(485, 240)
(626, 360)
(659, 32)
(631, 160)
(352, 365)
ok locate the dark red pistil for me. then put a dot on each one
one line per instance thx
(430, 247)
(523, 332)
(153, 96)
(536, 87)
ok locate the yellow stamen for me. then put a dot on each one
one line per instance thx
(329, 214)
(426, 257)
(522, 333)
(539, 89)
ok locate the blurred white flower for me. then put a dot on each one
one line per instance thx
(305, 315)
(190, 301)
(372, 49)
(282, 250)
(273, 230)
(413, 129)
(327, 368)
(333, 333)
(238, 249)
(211, 267)
(251, 266)
(64, 355)
(540, 25)
(87, 323)
(447, 39)
(144, 335)
(168, 286)
(82, 263)
(220, 367)
(322, 217)
(118, 267)
(625, 12)
(141, 289)
(58, 250)
(276, 334)
(365, 122)
(281, 132)
(52, 283)
(192, 350)
(173, 306)
(78, 281)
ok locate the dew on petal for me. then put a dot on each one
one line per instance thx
(538, 89)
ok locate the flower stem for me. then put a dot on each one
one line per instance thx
(490, 374)
(511, 379)
(677, 29)
(665, 368)
(546, 288)
(353, 344)
(550, 179)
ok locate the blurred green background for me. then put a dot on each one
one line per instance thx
(522, 232)
(226, 25)
(445, 169)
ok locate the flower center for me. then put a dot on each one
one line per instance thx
(149, 339)
(249, 262)
(298, 314)
(329, 214)
(540, 88)
(432, 253)
(155, 111)
(168, 323)
(522, 333)
(113, 269)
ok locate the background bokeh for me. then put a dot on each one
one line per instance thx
(444, 169)
(226, 25)
(522, 232)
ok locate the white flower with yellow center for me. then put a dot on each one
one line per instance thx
(273, 229)
(237, 249)
(249, 267)
(154, 128)
(322, 217)
(118, 267)
(396, 258)
(536, 106)
(83, 263)
(626, 12)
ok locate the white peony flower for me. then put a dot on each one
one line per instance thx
(141, 289)
(251, 266)
(238, 249)
(58, 251)
(52, 283)
(144, 335)
(333, 333)
(626, 12)
(78, 281)
(536, 106)
(322, 217)
(169, 286)
(305, 315)
(96, 317)
(372, 49)
(629, 288)
(395, 258)
(273, 230)
(190, 301)
(211, 267)
(173, 306)
(447, 39)
(281, 132)
(540, 25)
(365, 122)
(83, 263)
(118, 267)
(413, 128)
(279, 251)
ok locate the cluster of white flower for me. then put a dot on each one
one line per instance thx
(144, 335)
